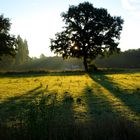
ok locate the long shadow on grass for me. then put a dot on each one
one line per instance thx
(40, 73)
(98, 105)
(132, 101)
(54, 119)
(63, 122)
(105, 122)
(16, 106)
(46, 118)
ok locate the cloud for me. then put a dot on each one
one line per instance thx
(135, 1)
(127, 5)
(131, 5)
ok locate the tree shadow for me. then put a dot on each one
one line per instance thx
(27, 74)
(98, 105)
(56, 119)
(14, 107)
(104, 121)
(44, 116)
(130, 101)
(61, 121)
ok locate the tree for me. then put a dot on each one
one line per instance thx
(42, 56)
(6, 62)
(26, 51)
(126, 59)
(7, 41)
(88, 32)
(22, 55)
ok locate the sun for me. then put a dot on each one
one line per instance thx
(75, 48)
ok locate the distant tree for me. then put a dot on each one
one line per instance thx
(89, 32)
(126, 59)
(42, 56)
(6, 62)
(7, 41)
(26, 51)
(22, 55)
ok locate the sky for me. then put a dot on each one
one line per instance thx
(38, 20)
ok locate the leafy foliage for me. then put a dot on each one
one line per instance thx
(89, 31)
(7, 41)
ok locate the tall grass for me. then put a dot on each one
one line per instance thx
(40, 123)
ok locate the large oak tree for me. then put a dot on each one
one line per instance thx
(88, 32)
(7, 41)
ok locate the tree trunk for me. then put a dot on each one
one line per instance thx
(85, 63)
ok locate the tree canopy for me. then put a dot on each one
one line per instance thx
(7, 41)
(88, 32)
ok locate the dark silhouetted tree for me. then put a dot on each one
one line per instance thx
(89, 32)
(7, 41)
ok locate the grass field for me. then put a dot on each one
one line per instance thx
(70, 98)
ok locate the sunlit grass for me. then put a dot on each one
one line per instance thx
(81, 101)
(93, 95)
(10, 87)
(128, 82)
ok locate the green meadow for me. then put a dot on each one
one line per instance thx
(70, 105)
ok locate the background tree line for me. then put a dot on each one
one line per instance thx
(21, 57)
(126, 59)
(89, 34)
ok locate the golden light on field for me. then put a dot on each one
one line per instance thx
(90, 95)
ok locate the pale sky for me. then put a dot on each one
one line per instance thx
(38, 20)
